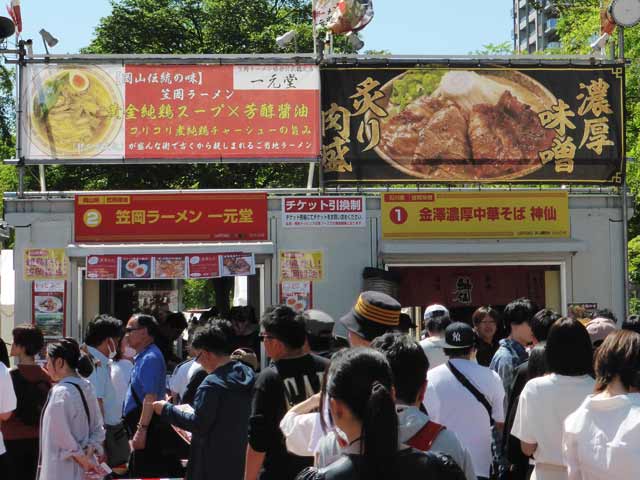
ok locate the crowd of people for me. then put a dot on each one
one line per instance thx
(518, 394)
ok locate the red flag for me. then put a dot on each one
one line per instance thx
(16, 14)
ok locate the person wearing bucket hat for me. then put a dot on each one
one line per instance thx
(374, 314)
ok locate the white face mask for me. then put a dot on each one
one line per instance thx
(130, 352)
(112, 353)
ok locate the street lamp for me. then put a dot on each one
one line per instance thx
(48, 40)
(354, 40)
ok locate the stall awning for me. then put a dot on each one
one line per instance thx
(394, 248)
(85, 249)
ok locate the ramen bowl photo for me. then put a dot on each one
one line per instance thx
(74, 111)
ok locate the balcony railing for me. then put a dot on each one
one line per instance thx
(554, 45)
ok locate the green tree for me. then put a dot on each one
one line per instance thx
(504, 48)
(579, 24)
(194, 27)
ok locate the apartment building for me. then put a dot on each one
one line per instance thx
(534, 29)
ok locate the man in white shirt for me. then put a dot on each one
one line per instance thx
(451, 404)
(7, 405)
(437, 319)
(102, 337)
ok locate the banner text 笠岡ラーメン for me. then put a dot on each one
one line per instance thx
(101, 113)
(490, 124)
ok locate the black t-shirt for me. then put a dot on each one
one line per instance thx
(485, 352)
(278, 387)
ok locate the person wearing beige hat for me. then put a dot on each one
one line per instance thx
(598, 329)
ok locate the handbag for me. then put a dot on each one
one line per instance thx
(499, 466)
(116, 445)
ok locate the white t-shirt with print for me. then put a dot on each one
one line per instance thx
(601, 439)
(449, 403)
(544, 404)
(7, 397)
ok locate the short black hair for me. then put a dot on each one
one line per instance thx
(605, 313)
(29, 337)
(149, 322)
(457, 352)
(176, 320)
(537, 364)
(285, 325)
(438, 323)
(541, 323)
(408, 363)
(632, 323)
(519, 311)
(103, 326)
(568, 350)
(215, 337)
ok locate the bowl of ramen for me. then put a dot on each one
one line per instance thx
(141, 270)
(74, 111)
(463, 125)
(131, 265)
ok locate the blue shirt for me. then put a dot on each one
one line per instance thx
(149, 376)
(509, 356)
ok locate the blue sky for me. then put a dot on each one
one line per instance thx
(425, 27)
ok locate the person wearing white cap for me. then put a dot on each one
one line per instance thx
(436, 319)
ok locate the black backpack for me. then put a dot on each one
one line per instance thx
(32, 396)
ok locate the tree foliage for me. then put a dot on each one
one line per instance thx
(194, 27)
(579, 24)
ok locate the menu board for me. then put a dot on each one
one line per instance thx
(183, 266)
(48, 307)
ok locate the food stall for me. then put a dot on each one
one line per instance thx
(475, 181)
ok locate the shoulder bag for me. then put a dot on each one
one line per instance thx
(499, 468)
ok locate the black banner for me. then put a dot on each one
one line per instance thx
(478, 124)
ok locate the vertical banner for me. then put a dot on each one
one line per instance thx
(49, 307)
(297, 295)
(45, 264)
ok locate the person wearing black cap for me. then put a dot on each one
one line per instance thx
(451, 403)
(319, 327)
(374, 314)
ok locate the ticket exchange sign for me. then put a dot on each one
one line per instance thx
(171, 217)
(103, 113)
(303, 212)
(432, 215)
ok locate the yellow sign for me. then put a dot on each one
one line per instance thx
(45, 264)
(475, 215)
(301, 265)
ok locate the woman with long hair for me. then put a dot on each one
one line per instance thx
(601, 438)
(359, 391)
(72, 430)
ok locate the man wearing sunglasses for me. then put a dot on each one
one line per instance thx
(148, 384)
